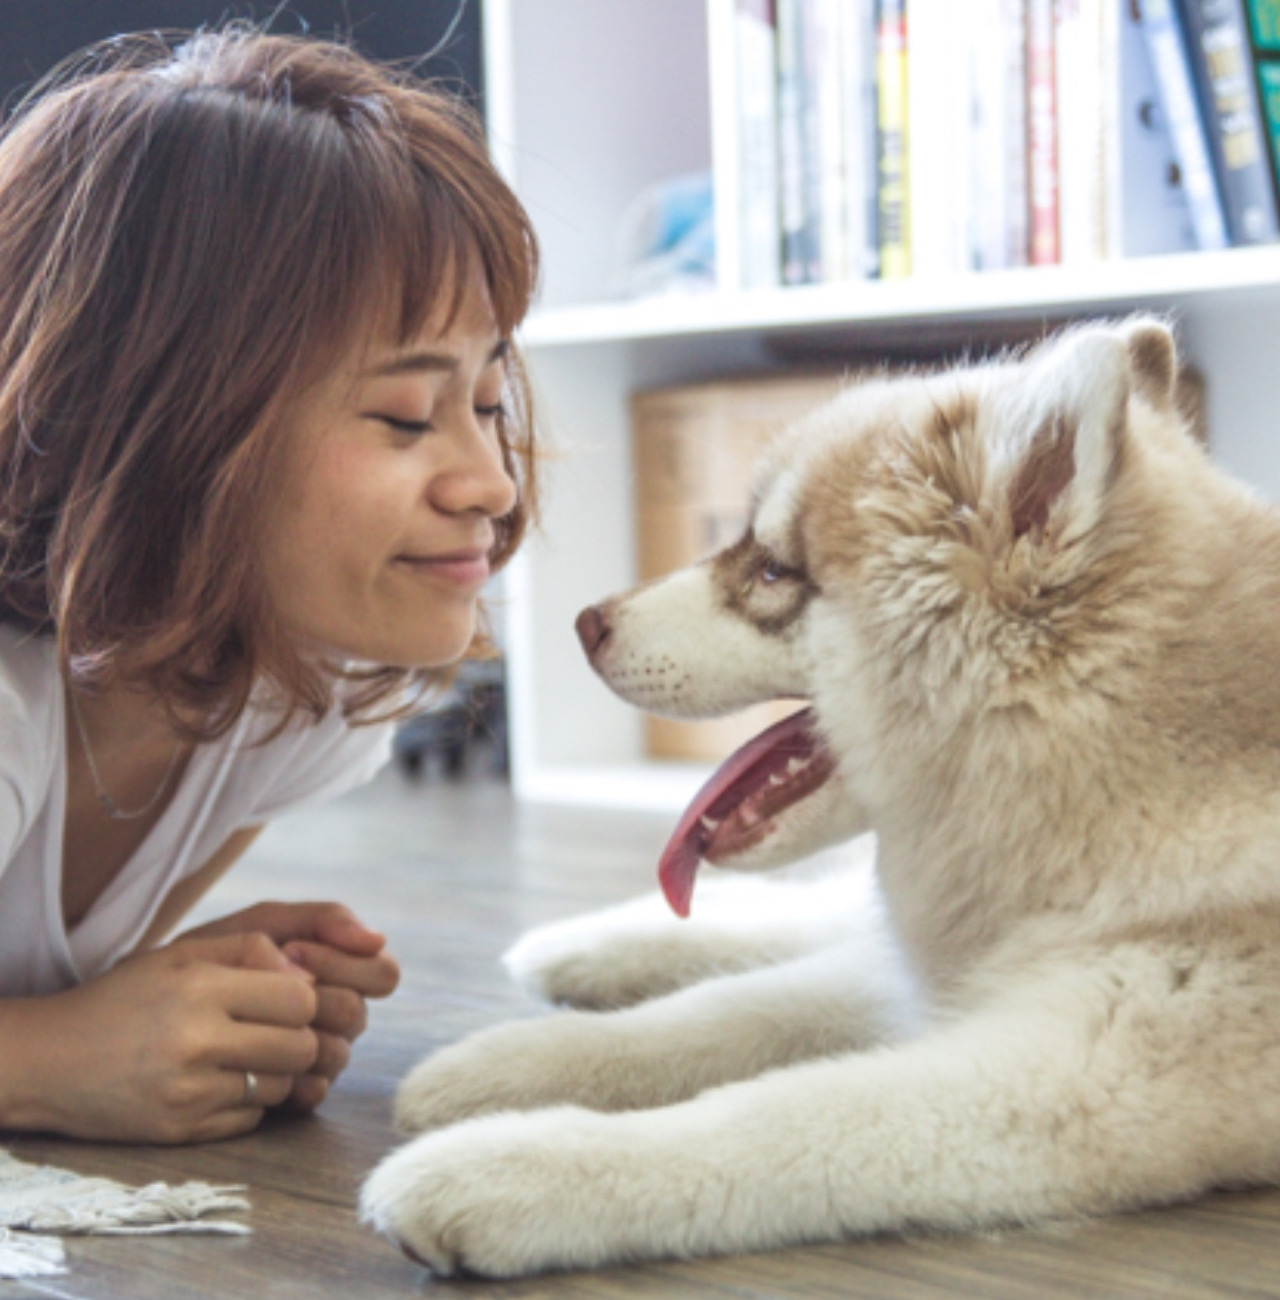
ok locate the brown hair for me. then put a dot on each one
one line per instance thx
(190, 235)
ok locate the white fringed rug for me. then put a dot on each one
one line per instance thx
(40, 1204)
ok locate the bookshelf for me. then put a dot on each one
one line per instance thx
(588, 102)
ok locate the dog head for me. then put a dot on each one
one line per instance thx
(922, 553)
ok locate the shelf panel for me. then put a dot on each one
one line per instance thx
(1048, 292)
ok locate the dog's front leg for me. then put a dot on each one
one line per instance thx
(853, 996)
(639, 950)
(1083, 1093)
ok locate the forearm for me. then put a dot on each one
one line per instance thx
(29, 1095)
(158, 1048)
(187, 893)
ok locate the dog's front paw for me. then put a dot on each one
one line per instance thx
(507, 1195)
(599, 962)
(529, 1065)
(609, 960)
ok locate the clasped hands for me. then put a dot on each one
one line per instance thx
(347, 963)
(158, 1048)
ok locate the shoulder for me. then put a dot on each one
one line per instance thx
(30, 731)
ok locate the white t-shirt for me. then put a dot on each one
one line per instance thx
(228, 785)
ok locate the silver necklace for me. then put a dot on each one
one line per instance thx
(109, 805)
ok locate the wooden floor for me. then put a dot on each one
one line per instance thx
(452, 874)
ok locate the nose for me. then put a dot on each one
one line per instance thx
(592, 626)
(478, 482)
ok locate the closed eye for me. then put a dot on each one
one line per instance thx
(399, 425)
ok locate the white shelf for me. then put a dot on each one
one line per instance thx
(1051, 292)
(589, 104)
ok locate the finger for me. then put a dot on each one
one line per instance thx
(340, 1012)
(247, 950)
(223, 1124)
(265, 997)
(330, 923)
(308, 1092)
(333, 1054)
(343, 929)
(267, 1050)
(267, 1090)
(374, 977)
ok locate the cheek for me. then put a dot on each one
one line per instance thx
(345, 499)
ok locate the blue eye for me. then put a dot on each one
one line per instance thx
(772, 571)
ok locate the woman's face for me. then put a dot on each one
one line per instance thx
(380, 541)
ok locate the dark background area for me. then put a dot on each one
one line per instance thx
(35, 35)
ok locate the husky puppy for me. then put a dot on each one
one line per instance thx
(1039, 634)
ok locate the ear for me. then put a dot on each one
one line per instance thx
(1153, 361)
(1064, 431)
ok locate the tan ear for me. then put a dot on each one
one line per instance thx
(1153, 360)
(1065, 425)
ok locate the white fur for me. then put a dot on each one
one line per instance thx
(1058, 995)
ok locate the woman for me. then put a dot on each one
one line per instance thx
(255, 466)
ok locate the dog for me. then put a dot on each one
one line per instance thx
(1037, 632)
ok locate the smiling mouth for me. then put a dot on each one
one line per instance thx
(469, 566)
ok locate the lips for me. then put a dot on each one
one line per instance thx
(467, 566)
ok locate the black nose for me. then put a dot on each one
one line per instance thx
(593, 629)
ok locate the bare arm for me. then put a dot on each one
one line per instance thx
(187, 893)
(156, 1050)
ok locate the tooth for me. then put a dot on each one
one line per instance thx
(710, 824)
(796, 765)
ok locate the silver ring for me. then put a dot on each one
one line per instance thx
(250, 1088)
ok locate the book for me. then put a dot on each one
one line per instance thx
(798, 236)
(893, 207)
(1079, 101)
(1264, 39)
(756, 103)
(1221, 63)
(939, 129)
(857, 41)
(826, 181)
(1146, 205)
(999, 154)
(1042, 136)
(1166, 42)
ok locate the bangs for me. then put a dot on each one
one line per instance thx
(409, 225)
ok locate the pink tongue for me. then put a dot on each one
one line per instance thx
(743, 773)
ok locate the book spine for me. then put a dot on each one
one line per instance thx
(1147, 209)
(1221, 65)
(793, 207)
(998, 171)
(1169, 58)
(1264, 37)
(858, 83)
(892, 145)
(1017, 179)
(756, 85)
(826, 137)
(1079, 97)
(1042, 137)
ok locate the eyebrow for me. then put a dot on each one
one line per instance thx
(431, 362)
